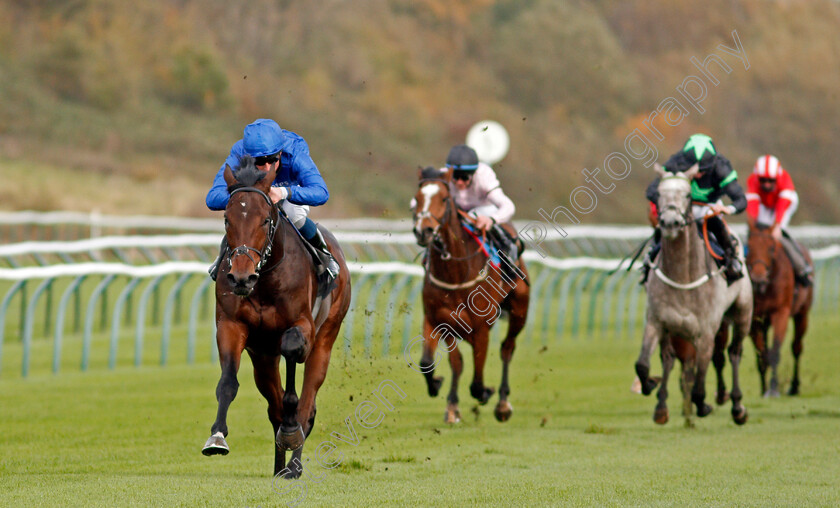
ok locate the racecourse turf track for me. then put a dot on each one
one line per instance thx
(578, 437)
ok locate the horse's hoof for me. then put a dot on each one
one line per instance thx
(703, 410)
(290, 439)
(771, 394)
(485, 395)
(660, 416)
(452, 416)
(434, 386)
(650, 384)
(794, 390)
(722, 398)
(503, 411)
(216, 445)
(739, 416)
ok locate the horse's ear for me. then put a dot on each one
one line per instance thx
(446, 175)
(419, 172)
(229, 178)
(692, 171)
(659, 169)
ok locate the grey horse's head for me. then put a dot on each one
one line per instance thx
(674, 203)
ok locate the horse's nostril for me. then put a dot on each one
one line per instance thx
(252, 279)
(231, 278)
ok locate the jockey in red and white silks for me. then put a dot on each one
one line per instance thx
(771, 202)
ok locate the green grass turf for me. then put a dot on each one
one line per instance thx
(132, 437)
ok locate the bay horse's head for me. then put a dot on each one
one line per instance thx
(434, 204)
(251, 220)
(674, 203)
(761, 251)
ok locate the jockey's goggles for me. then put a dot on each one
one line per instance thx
(766, 180)
(266, 159)
(460, 174)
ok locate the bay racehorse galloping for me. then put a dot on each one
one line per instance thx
(689, 298)
(268, 303)
(463, 296)
(778, 297)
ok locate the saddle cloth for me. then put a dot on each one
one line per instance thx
(490, 250)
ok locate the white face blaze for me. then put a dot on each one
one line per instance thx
(429, 190)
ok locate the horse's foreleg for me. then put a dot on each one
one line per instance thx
(477, 389)
(428, 361)
(800, 322)
(649, 343)
(779, 322)
(230, 339)
(666, 354)
(456, 361)
(719, 360)
(267, 379)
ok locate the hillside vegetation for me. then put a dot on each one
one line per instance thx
(149, 96)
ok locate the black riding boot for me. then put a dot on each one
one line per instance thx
(505, 242)
(732, 265)
(326, 258)
(214, 268)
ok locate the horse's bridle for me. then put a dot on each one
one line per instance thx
(265, 252)
(772, 256)
(437, 242)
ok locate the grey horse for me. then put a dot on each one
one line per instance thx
(689, 298)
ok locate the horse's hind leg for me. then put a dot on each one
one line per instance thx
(666, 354)
(698, 392)
(293, 348)
(758, 332)
(517, 314)
(482, 393)
(456, 361)
(719, 360)
(230, 338)
(267, 378)
(800, 322)
(687, 374)
(742, 325)
(779, 322)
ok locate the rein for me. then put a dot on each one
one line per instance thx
(264, 254)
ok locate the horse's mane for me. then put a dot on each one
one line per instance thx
(247, 175)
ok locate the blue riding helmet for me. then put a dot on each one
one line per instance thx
(263, 137)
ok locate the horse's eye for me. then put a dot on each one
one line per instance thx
(226, 221)
(266, 221)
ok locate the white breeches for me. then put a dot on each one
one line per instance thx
(297, 213)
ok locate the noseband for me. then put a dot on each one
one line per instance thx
(265, 252)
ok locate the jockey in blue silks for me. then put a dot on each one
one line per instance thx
(297, 186)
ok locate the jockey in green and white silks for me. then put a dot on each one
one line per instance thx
(715, 179)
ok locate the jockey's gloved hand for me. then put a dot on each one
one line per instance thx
(483, 222)
(278, 194)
